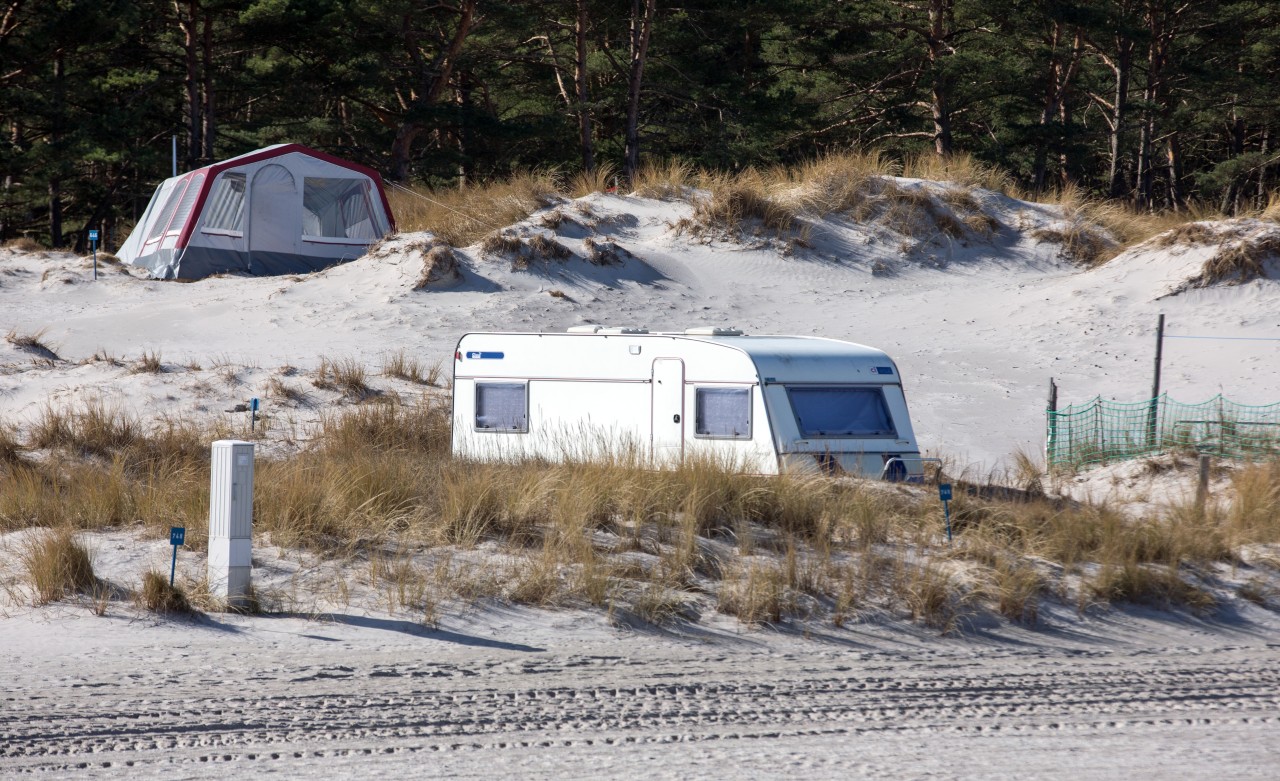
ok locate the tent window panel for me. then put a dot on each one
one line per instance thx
(165, 216)
(502, 406)
(337, 209)
(225, 211)
(185, 206)
(723, 413)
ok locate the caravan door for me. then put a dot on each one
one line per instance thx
(668, 410)
(274, 221)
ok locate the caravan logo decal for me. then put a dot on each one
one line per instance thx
(483, 356)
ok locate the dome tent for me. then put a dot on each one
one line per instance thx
(280, 210)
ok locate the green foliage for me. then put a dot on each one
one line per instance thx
(92, 90)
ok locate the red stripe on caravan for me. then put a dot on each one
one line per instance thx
(212, 171)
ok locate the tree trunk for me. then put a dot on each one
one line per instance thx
(435, 79)
(1119, 114)
(55, 139)
(1265, 147)
(465, 140)
(208, 131)
(1173, 157)
(191, 79)
(581, 88)
(641, 26)
(401, 150)
(940, 92)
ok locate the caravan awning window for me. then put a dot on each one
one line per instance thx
(848, 412)
(338, 209)
(502, 406)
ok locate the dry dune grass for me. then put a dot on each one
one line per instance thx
(777, 202)
(56, 565)
(378, 483)
(462, 217)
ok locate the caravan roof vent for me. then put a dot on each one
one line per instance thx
(584, 329)
(623, 331)
(712, 331)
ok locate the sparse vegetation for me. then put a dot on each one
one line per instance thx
(33, 343)
(149, 363)
(659, 544)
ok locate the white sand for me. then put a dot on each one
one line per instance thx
(977, 328)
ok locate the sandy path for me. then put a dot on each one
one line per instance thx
(455, 705)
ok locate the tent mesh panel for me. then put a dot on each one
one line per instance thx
(1098, 430)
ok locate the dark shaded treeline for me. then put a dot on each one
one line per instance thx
(1158, 102)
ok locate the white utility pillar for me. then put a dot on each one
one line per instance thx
(231, 521)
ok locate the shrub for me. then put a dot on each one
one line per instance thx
(56, 565)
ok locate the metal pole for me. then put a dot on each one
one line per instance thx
(1155, 386)
(946, 508)
(173, 567)
(1202, 487)
(1050, 446)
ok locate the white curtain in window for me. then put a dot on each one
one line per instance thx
(501, 406)
(226, 205)
(723, 412)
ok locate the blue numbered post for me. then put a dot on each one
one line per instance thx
(93, 242)
(944, 493)
(177, 534)
(253, 413)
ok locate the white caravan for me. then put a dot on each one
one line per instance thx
(767, 404)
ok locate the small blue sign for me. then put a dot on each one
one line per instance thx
(484, 356)
(177, 534)
(253, 405)
(93, 235)
(944, 491)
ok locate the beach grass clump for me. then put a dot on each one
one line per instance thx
(149, 363)
(347, 375)
(462, 216)
(1154, 585)
(405, 367)
(12, 452)
(56, 565)
(158, 596)
(754, 593)
(34, 342)
(665, 180)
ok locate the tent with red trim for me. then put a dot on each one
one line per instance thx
(285, 209)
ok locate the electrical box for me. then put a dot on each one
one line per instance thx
(231, 521)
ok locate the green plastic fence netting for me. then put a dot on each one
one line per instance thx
(1098, 430)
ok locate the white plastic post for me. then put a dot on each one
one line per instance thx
(231, 521)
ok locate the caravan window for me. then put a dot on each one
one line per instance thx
(337, 209)
(722, 413)
(841, 412)
(225, 212)
(502, 406)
